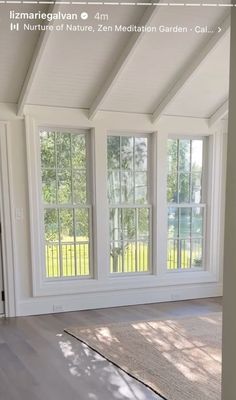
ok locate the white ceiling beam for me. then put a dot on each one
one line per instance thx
(191, 67)
(219, 114)
(122, 61)
(34, 64)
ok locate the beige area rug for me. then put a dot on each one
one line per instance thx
(180, 359)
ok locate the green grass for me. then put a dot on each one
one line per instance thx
(68, 260)
(125, 263)
(185, 257)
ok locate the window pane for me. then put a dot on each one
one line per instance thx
(47, 144)
(68, 259)
(52, 260)
(197, 154)
(78, 156)
(81, 224)
(172, 188)
(130, 257)
(66, 225)
(115, 224)
(49, 186)
(64, 175)
(113, 152)
(127, 152)
(172, 254)
(143, 223)
(116, 251)
(196, 187)
(185, 249)
(184, 188)
(185, 222)
(51, 225)
(64, 187)
(197, 253)
(197, 221)
(63, 150)
(173, 222)
(185, 253)
(114, 193)
(141, 154)
(127, 187)
(184, 155)
(142, 256)
(141, 187)
(129, 223)
(79, 187)
(82, 259)
(172, 155)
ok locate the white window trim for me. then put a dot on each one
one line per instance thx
(216, 199)
(215, 183)
(9, 253)
(102, 282)
(71, 206)
(42, 285)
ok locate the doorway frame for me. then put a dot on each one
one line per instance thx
(6, 207)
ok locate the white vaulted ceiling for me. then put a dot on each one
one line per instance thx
(209, 84)
(77, 63)
(16, 51)
(74, 68)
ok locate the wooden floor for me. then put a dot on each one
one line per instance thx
(38, 361)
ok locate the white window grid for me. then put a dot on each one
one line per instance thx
(135, 206)
(191, 205)
(69, 206)
(136, 240)
(180, 239)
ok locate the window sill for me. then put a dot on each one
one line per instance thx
(67, 287)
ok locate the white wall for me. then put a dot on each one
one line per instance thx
(26, 302)
(229, 315)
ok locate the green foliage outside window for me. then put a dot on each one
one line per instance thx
(127, 162)
(184, 195)
(64, 192)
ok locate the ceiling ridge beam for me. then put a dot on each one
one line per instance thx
(122, 61)
(34, 63)
(219, 114)
(191, 67)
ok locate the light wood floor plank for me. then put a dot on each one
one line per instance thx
(39, 361)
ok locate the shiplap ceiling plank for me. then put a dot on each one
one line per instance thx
(191, 68)
(35, 62)
(126, 55)
(219, 114)
(16, 50)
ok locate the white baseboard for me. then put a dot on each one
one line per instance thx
(116, 298)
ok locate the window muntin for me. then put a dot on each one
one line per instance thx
(129, 207)
(67, 213)
(186, 209)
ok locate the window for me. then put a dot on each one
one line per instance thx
(67, 213)
(186, 207)
(129, 206)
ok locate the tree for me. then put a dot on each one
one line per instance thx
(63, 162)
(126, 158)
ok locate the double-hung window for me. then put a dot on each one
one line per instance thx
(65, 203)
(186, 203)
(128, 165)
